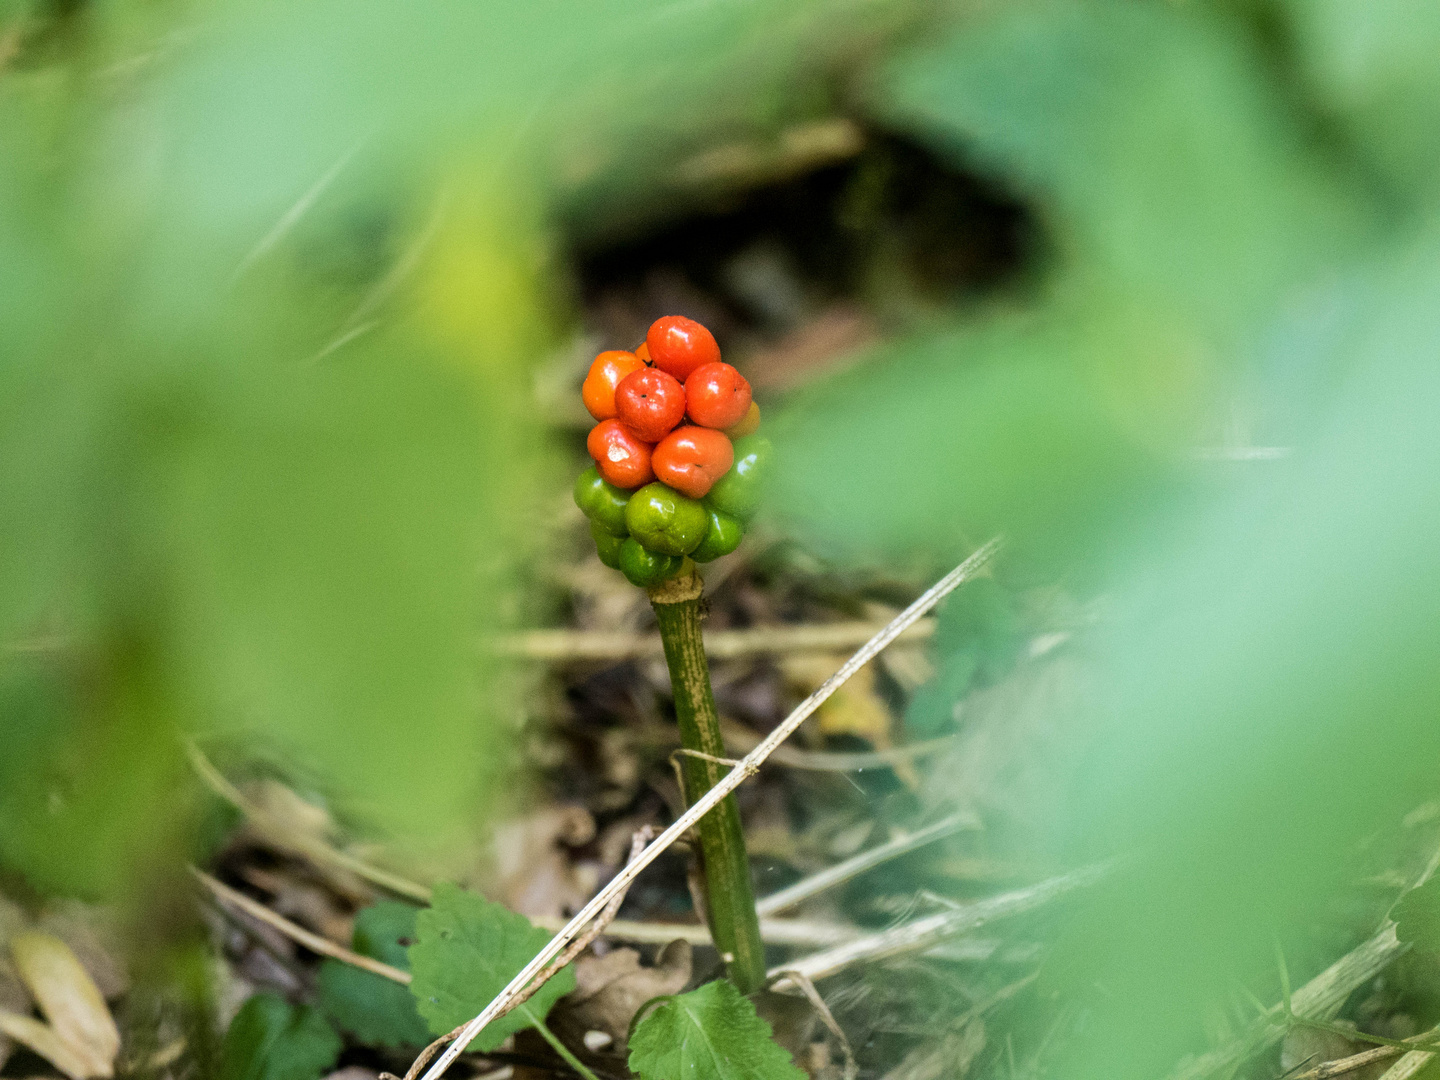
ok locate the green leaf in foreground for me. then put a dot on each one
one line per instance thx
(467, 949)
(712, 1033)
(371, 1007)
(270, 1039)
(1417, 917)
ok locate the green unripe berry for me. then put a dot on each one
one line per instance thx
(644, 567)
(602, 502)
(665, 521)
(737, 493)
(607, 545)
(722, 537)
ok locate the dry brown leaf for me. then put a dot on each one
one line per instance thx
(537, 877)
(610, 988)
(91, 933)
(77, 1062)
(68, 998)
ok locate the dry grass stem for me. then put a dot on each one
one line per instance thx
(740, 740)
(1318, 999)
(711, 798)
(282, 834)
(858, 864)
(922, 934)
(238, 901)
(1341, 1066)
(806, 987)
(792, 932)
(1409, 1065)
(566, 646)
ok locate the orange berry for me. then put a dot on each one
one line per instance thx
(621, 457)
(650, 403)
(716, 396)
(679, 345)
(598, 391)
(691, 459)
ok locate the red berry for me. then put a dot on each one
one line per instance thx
(679, 345)
(691, 459)
(716, 396)
(650, 403)
(609, 368)
(622, 459)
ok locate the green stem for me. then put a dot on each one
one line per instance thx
(730, 900)
(558, 1046)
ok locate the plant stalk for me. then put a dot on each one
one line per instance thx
(730, 899)
(556, 1045)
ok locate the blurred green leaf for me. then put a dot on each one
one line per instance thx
(1374, 65)
(1417, 917)
(368, 1006)
(711, 1033)
(270, 1039)
(468, 949)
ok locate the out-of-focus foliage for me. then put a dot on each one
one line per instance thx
(270, 1039)
(1218, 406)
(1182, 209)
(271, 280)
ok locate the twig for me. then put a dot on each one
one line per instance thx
(563, 646)
(637, 844)
(838, 760)
(822, 1010)
(798, 932)
(921, 934)
(711, 798)
(858, 864)
(1409, 1065)
(795, 933)
(1317, 999)
(314, 942)
(1340, 1066)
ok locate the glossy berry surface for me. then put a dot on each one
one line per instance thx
(679, 345)
(692, 459)
(601, 501)
(607, 545)
(663, 520)
(716, 396)
(721, 538)
(620, 457)
(644, 567)
(678, 466)
(598, 390)
(737, 493)
(650, 403)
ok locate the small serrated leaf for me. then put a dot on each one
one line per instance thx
(467, 950)
(385, 932)
(270, 1039)
(374, 1009)
(712, 1033)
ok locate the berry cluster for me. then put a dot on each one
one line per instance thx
(676, 458)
